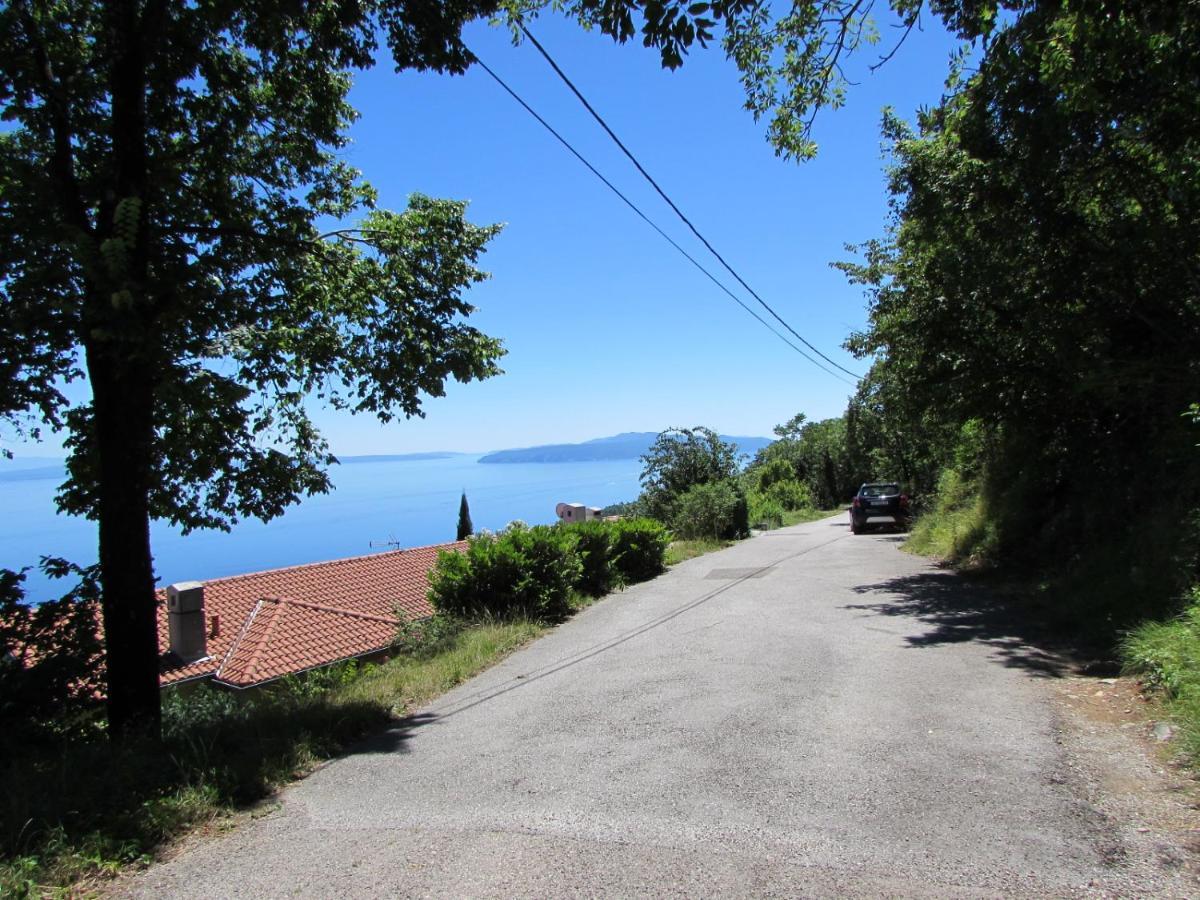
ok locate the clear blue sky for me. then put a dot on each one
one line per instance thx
(607, 328)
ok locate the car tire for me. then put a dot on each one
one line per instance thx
(855, 528)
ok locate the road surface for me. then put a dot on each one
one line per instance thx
(807, 713)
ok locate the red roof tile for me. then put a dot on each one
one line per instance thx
(282, 621)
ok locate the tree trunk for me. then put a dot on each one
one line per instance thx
(123, 374)
(124, 405)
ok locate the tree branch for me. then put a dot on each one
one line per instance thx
(62, 159)
(883, 60)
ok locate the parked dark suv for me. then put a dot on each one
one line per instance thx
(877, 503)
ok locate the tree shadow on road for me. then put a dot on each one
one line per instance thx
(394, 738)
(958, 610)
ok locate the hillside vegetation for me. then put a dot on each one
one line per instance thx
(1033, 330)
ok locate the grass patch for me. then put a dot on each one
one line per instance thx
(413, 681)
(678, 551)
(1167, 656)
(79, 812)
(957, 527)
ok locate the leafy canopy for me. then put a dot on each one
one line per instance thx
(791, 57)
(251, 276)
(1034, 306)
(681, 458)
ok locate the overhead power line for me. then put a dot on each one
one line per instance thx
(637, 210)
(686, 221)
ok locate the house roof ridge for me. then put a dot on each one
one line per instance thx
(341, 610)
(237, 641)
(265, 639)
(225, 579)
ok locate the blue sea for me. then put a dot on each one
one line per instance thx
(377, 504)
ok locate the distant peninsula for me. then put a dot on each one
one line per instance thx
(48, 468)
(629, 445)
(393, 457)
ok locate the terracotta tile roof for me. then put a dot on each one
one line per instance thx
(283, 621)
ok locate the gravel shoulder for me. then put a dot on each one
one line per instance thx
(1118, 758)
(806, 713)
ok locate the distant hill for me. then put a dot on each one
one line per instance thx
(629, 445)
(32, 468)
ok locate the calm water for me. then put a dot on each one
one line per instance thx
(409, 502)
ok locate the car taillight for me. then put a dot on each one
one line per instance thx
(854, 502)
(904, 499)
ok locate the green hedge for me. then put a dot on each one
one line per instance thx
(525, 572)
(595, 546)
(639, 549)
(532, 572)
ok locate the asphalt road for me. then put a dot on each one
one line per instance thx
(807, 713)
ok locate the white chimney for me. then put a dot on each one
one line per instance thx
(185, 620)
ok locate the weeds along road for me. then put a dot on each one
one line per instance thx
(804, 714)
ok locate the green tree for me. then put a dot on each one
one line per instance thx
(889, 437)
(813, 453)
(791, 429)
(1038, 285)
(465, 528)
(176, 226)
(680, 459)
(772, 484)
(772, 472)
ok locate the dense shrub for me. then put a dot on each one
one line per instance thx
(771, 472)
(957, 526)
(639, 549)
(790, 494)
(594, 543)
(774, 485)
(1167, 654)
(532, 572)
(715, 510)
(51, 665)
(520, 572)
(765, 511)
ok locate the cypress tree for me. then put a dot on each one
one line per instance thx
(465, 528)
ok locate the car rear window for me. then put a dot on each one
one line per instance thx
(880, 490)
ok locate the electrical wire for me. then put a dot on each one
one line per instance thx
(633, 159)
(637, 211)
